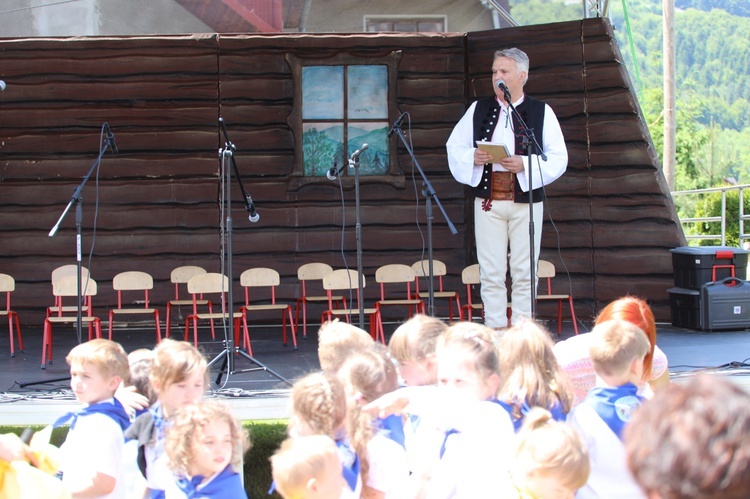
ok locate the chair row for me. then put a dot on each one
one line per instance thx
(65, 284)
(198, 283)
(416, 273)
(545, 271)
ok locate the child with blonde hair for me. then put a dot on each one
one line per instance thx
(205, 445)
(617, 350)
(367, 376)
(319, 408)
(413, 345)
(92, 451)
(530, 374)
(337, 341)
(178, 377)
(550, 459)
(459, 418)
(308, 468)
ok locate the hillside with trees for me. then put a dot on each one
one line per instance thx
(713, 81)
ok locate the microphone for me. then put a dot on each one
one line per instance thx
(2, 85)
(111, 139)
(334, 171)
(250, 207)
(397, 124)
(358, 152)
(502, 86)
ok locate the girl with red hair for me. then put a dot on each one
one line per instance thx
(573, 354)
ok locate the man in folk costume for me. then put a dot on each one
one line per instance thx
(501, 190)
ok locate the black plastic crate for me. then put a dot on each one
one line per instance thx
(696, 265)
(686, 307)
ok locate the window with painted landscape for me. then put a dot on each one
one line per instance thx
(341, 104)
(343, 108)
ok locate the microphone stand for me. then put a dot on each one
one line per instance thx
(230, 349)
(531, 145)
(354, 163)
(77, 199)
(429, 193)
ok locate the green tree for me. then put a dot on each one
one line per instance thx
(317, 151)
(710, 206)
(713, 81)
(528, 12)
(691, 139)
(736, 7)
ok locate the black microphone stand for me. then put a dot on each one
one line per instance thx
(429, 193)
(230, 349)
(354, 163)
(531, 144)
(77, 199)
(334, 172)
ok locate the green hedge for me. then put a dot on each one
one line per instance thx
(266, 437)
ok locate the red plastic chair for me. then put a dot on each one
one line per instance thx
(206, 284)
(343, 279)
(262, 277)
(7, 286)
(68, 287)
(546, 270)
(307, 273)
(181, 275)
(133, 281)
(422, 270)
(396, 273)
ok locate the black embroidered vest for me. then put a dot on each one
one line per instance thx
(486, 117)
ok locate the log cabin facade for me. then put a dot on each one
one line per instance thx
(155, 205)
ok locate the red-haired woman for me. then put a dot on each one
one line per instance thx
(573, 354)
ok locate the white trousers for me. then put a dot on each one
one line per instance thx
(506, 225)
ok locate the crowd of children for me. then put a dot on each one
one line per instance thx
(456, 410)
(179, 445)
(508, 414)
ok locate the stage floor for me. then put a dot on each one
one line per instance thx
(31, 395)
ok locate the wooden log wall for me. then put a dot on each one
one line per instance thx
(158, 199)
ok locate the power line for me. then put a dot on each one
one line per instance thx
(20, 9)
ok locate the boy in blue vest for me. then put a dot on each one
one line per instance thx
(92, 451)
(617, 351)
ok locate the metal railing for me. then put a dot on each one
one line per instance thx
(722, 217)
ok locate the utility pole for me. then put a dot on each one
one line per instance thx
(670, 125)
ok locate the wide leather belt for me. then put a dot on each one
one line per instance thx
(503, 186)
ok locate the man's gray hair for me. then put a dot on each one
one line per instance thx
(519, 57)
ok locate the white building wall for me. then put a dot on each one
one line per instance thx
(41, 18)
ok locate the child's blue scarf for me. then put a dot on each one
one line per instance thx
(615, 405)
(113, 410)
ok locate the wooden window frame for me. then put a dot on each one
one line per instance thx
(406, 18)
(298, 179)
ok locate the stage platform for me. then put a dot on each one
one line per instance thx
(31, 395)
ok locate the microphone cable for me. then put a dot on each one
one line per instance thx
(102, 145)
(545, 199)
(343, 237)
(416, 200)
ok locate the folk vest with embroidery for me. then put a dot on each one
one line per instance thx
(486, 117)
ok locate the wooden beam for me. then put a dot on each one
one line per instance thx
(250, 16)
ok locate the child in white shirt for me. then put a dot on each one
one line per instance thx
(617, 350)
(92, 451)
